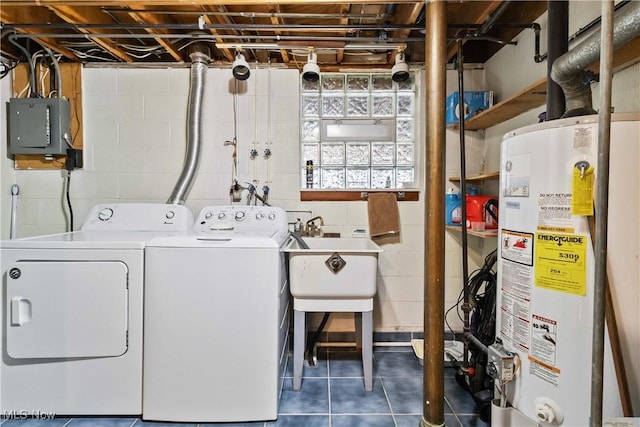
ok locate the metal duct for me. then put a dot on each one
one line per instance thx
(200, 56)
(568, 70)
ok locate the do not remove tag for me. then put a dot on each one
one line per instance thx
(582, 189)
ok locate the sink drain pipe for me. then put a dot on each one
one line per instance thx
(311, 350)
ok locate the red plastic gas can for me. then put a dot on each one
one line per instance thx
(482, 209)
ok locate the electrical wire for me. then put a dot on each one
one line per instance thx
(6, 68)
(32, 68)
(69, 201)
(482, 276)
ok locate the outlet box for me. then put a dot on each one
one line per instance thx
(39, 126)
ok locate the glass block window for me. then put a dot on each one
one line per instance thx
(358, 129)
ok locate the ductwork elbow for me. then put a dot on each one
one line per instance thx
(200, 56)
(569, 69)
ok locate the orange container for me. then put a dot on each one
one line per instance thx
(480, 209)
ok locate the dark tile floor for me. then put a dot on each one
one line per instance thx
(333, 395)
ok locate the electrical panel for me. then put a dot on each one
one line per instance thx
(39, 126)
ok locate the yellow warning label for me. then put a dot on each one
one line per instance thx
(582, 190)
(560, 262)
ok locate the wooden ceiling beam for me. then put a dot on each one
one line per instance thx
(16, 15)
(226, 52)
(276, 20)
(344, 9)
(86, 15)
(148, 18)
(139, 3)
(478, 12)
(405, 14)
(223, 19)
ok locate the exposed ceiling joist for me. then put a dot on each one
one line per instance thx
(88, 15)
(355, 33)
(276, 20)
(147, 18)
(14, 15)
(481, 12)
(404, 13)
(138, 3)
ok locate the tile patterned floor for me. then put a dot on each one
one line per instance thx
(333, 395)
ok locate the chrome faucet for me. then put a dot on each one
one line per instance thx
(310, 228)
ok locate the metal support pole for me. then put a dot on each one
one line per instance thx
(466, 305)
(433, 376)
(602, 212)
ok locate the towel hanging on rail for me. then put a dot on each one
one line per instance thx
(383, 214)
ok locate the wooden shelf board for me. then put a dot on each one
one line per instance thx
(409, 195)
(481, 177)
(530, 97)
(486, 234)
(535, 94)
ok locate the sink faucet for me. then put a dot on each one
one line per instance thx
(311, 229)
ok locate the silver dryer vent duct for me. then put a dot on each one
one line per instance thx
(200, 56)
(568, 70)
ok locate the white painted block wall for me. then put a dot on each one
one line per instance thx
(134, 142)
(134, 124)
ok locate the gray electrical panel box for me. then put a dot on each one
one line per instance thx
(39, 126)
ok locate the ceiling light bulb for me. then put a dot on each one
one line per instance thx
(400, 71)
(311, 70)
(240, 67)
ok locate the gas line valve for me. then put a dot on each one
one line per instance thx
(501, 364)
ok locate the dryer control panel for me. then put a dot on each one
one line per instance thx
(234, 220)
(138, 217)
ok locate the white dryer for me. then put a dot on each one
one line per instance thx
(216, 318)
(72, 324)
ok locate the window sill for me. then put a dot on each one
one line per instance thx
(404, 195)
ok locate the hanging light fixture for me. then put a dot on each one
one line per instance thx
(240, 67)
(311, 70)
(400, 71)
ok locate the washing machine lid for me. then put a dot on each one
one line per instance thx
(222, 239)
(88, 240)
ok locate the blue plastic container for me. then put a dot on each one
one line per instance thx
(453, 211)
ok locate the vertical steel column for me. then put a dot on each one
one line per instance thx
(466, 305)
(602, 212)
(433, 376)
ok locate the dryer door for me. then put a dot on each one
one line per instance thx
(63, 309)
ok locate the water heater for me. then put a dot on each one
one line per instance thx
(546, 264)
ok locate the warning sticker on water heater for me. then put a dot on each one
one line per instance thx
(517, 246)
(544, 334)
(560, 262)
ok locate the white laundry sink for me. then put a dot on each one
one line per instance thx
(333, 268)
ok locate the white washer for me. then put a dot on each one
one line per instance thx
(72, 333)
(216, 318)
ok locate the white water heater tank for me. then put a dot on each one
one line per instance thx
(546, 264)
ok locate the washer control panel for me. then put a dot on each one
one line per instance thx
(241, 219)
(138, 217)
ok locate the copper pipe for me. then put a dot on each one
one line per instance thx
(433, 376)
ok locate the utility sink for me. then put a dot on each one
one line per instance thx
(333, 269)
